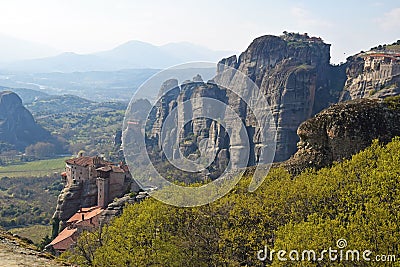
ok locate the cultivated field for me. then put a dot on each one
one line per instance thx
(37, 168)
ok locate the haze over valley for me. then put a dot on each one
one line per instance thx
(212, 133)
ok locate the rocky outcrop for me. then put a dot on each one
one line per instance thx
(189, 134)
(18, 129)
(295, 78)
(115, 208)
(75, 196)
(138, 111)
(292, 72)
(343, 130)
(18, 251)
(375, 74)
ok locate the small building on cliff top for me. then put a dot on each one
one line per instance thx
(111, 179)
(93, 183)
(380, 61)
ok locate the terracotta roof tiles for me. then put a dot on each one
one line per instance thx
(87, 213)
(64, 239)
(86, 161)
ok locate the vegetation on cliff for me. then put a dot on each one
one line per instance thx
(356, 200)
(388, 47)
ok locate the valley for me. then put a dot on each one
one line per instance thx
(199, 133)
(330, 120)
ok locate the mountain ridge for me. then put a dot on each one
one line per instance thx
(14, 49)
(129, 55)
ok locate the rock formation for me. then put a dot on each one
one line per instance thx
(292, 72)
(18, 129)
(116, 207)
(296, 82)
(343, 130)
(189, 135)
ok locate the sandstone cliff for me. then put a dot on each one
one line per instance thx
(18, 129)
(343, 130)
(73, 197)
(293, 74)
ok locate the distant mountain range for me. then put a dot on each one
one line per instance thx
(130, 55)
(14, 49)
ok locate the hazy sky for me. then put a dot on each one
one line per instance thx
(84, 26)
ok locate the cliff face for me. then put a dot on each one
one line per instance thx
(372, 75)
(190, 135)
(17, 126)
(75, 196)
(343, 130)
(293, 74)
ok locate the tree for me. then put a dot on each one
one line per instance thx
(357, 200)
(41, 150)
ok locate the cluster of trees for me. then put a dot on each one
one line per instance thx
(27, 200)
(92, 131)
(41, 150)
(357, 200)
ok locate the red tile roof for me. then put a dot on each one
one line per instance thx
(85, 161)
(68, 236)
(105, 165)
(125, 168)
(88, 213)
(64, 239)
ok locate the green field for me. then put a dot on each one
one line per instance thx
(34, 232)
(37, 168)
